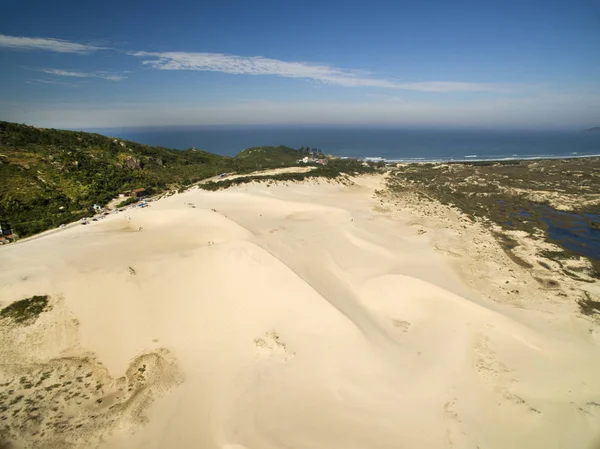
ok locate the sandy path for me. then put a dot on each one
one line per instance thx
(295, 316)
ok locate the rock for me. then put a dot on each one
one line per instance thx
(133, 163)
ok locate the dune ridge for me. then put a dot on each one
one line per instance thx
(309, 315)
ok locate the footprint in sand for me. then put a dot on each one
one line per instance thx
(454, 433)
(497, 374)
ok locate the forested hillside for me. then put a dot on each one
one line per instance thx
(49, 177)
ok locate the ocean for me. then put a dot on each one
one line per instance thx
(388, 144)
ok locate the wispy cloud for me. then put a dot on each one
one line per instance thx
(258, 65)
(102, 75)
(244, 65)
(45, 81)
(45, 44)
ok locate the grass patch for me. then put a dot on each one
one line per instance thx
(127, 202)
(508, 244)
(16, 400)
(544, 264)
(25, 311)
(588, 306)
(334, 169)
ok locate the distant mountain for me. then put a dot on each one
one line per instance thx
(595, 129)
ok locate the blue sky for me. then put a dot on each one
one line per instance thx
(439, 63)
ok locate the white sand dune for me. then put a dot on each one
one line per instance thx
(298, 316)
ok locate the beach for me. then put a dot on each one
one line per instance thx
(317, 314)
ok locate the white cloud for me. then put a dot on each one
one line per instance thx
(102, 75)
(258, 65)
(245, 65)
(45, 44)
(45, 81)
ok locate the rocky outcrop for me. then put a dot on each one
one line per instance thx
(133, 163)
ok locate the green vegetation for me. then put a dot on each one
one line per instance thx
(127, 202)
(335, 168)
(25, 311)
(259, 158)
(515, 195)
(50, 177)
(588, 306)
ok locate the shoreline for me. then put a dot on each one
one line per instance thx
(467, 159)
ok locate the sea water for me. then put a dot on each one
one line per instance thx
(385, 143)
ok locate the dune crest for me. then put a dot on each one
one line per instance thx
(308, 315)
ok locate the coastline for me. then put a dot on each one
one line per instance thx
(469, 159)
(385, 142)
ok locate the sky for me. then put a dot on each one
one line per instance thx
(440, 63)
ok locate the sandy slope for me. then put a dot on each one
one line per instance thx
(299, 316)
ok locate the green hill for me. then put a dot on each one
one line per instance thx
(49, 176)
(267, 157)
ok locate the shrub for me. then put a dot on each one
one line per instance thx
(25, 311)
(127, 202)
